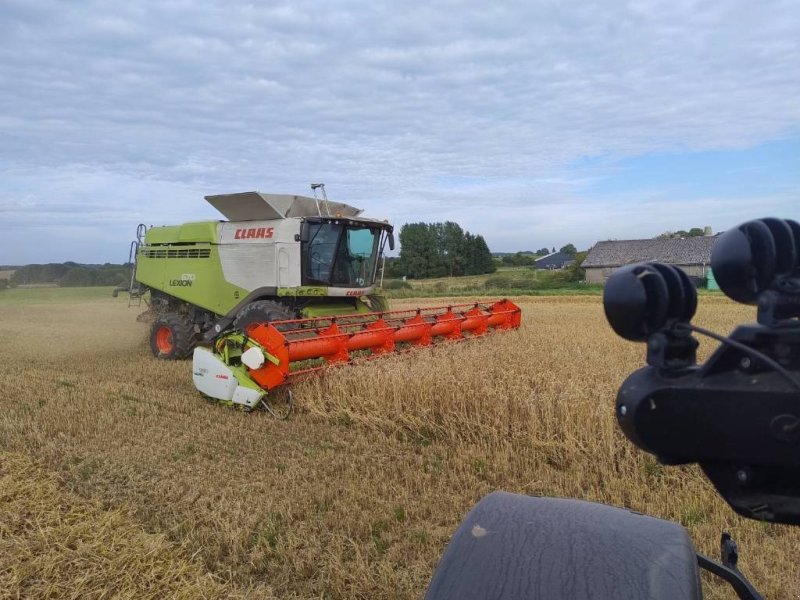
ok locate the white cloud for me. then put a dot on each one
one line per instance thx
(391, 104)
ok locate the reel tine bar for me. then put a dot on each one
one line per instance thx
(333, 339)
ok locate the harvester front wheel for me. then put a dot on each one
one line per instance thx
(261, 311)
(172, 336)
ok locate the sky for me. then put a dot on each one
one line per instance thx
(532, 123)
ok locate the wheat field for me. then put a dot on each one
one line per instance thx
(118, 481)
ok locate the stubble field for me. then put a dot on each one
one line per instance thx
(118, 480)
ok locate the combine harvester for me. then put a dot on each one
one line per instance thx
(287, 286)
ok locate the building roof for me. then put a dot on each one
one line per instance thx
(554, 260)
(676, 251)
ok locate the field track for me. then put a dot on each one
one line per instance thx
(118, 480)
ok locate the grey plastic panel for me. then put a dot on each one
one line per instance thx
(512, 547)
(255, 206)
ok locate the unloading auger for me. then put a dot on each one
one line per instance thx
(243, 367)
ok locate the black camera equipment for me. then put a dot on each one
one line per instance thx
(737, 415)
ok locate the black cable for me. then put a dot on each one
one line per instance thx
(746, 349)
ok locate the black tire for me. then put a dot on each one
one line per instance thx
(262, 311)
(172, 336)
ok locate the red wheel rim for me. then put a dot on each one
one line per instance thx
(164, 339)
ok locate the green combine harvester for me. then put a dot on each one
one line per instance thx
(277, 257)
(283, 289)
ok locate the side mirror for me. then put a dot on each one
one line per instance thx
(391, 240)
(304, 231)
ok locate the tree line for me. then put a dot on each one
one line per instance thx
(70, 274)
(682, 233)
(440, 250)
(527, 259)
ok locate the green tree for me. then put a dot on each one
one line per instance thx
(439, 249)
(418, 252)
(71, 274)
(519, 259)
(452, 248)
(569, 249)
(524, 259)
(575, 272)
(482, 261)
(49, 273)
(393, 267)
(78, 277)
(470, 262)
(681, 233)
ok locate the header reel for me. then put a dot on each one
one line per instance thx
(738, 414)
(248, 368)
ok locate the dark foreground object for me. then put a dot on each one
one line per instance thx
(511, 547)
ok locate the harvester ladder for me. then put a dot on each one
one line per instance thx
(134, 290)
(321, 186)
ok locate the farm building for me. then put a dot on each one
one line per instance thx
(555, 260)
(692, 254)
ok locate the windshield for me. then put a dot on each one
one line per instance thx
(341, 255)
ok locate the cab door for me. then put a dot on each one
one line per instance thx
(288, 265)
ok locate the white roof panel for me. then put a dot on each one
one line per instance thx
(255, 206)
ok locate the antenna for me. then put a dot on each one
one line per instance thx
(321, 186)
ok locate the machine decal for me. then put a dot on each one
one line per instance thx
(253, 232)
(186, 280)
(303, 291)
